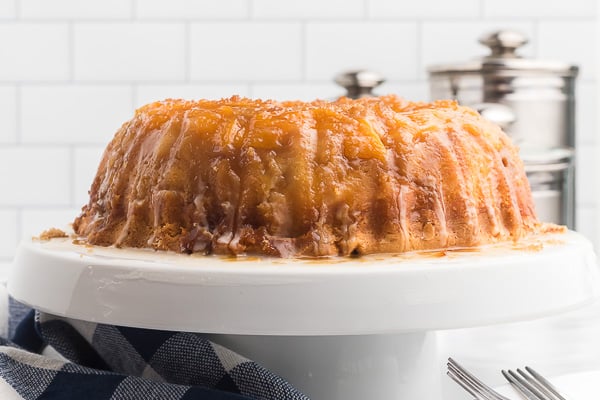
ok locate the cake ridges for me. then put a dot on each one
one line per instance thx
(295, 179)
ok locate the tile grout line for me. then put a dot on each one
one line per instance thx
(71, 49)
(134, 96)
(133, 11)
(19, 229)
(250, 11)
(159, 82)
(419, 55)
(365, 17)
(304, 50)
(187, 52)
(18, 112)
(72, 175)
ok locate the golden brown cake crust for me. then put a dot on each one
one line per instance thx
(293, 179)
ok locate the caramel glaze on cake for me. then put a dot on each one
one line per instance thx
(295, 179)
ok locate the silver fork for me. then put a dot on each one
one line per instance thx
(532, 385)
(470, 383)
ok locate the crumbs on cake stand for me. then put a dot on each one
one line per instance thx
(51, 233)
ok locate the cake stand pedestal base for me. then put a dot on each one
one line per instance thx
(394, 366)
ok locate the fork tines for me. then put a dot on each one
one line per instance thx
(471, 383)
(532, 385)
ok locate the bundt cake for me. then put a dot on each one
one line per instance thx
(307, 179)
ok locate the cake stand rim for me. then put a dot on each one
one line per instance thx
(256, 300)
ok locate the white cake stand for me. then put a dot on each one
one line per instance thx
(336, 329)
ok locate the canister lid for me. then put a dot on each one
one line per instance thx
(503, 58)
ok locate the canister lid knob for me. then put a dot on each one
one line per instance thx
(503, 43)
(359, 83)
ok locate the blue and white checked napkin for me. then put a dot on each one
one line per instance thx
(49, 357)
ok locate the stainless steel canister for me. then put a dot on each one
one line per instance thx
(359, 83)
(551, 177)
(534, 102)
(540, 94)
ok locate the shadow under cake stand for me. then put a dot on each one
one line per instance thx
(336, 329)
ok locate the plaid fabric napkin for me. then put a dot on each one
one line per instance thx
(50, 357)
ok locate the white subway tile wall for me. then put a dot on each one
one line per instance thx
(246, 51)
(308, 9)
(567, 40)
(34, 51)
(9, 232)
(387, 47)
(35, 176)
(426, 9)
(191, 9)
(8, 111)
(8, 9)
(38, 219)
(129, 51)
(586, 106)
(106, 107)
(85, 165)
(587, 194)
(537, 9)
(69, 9)
(73, 70)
